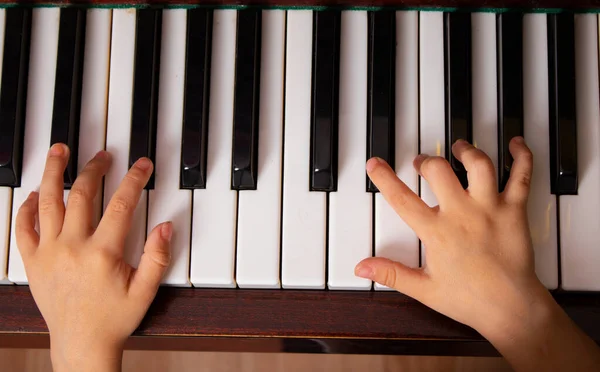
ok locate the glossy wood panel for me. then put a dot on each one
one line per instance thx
(311, 321)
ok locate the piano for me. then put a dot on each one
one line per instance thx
(260, 121)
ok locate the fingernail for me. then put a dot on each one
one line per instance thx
(372, 163)
(520, 140)
(421, 157)
(102, 155)
(460, 141)
(364, 271)
(144, 164)
(166, 231)
(31, 195)
(57, 149)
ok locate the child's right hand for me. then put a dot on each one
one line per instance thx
(479, 257)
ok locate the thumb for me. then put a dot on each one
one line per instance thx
(393, 275)
(153, 264)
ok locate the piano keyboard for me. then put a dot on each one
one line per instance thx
(260, 123)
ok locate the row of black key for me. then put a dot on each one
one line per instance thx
(325, 83)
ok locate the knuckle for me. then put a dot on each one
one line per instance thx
(526, 155)
(121, 205)
(524, 180)
(134, 178)
(54, 167)
(161, 257)
(481, 163)
(399, 199)
(47, 205)
(91, 169)
(389, 278)
(78, 195)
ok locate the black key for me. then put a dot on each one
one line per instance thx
(145, 87)
(324, 111)
(67, 89)
(13, 94)
(196, 99)
(246, 101)
(381, 94)
(563, 120)
(457, 51)
(510, 87)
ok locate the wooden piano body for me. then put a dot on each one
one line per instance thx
(374, 322)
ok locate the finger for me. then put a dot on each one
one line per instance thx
(480, 171)
(408, 205)
(517, 187)
(393, 275)
(441, 179)
(79, 215)
(153, 264)
(115, 224)
(27, 238)
(51, 203)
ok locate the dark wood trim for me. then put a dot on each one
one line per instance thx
(578, 5)
(278, 345)
(288, 320)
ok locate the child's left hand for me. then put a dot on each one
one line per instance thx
(91, 299)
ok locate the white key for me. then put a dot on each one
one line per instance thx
(350, 208)
(5, 208)
(484, 84)
(542, 204)
(259, 211)
(94, 94)
(214, 208)
(432, 107)
(118, 128)
(394, 239)
(579, 223)
(304, 212)
(38, 122)
(167, 202)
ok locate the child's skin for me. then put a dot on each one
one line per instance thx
(480, 267)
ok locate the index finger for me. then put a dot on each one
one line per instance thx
(408, 205)
(51, 202)
(117, 219)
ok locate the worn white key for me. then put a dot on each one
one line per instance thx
(484, 84)
(118, 128)
(579, 223)
(431, 93)
(304, 212)
(5, 209)
(214, 208)
(259, 211)
(394, 239)
(350, 207)
(166, 202)
(38, 122)
(94, 92)
(542, 204)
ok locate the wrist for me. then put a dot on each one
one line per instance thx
(83, 357)
(526, 312)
